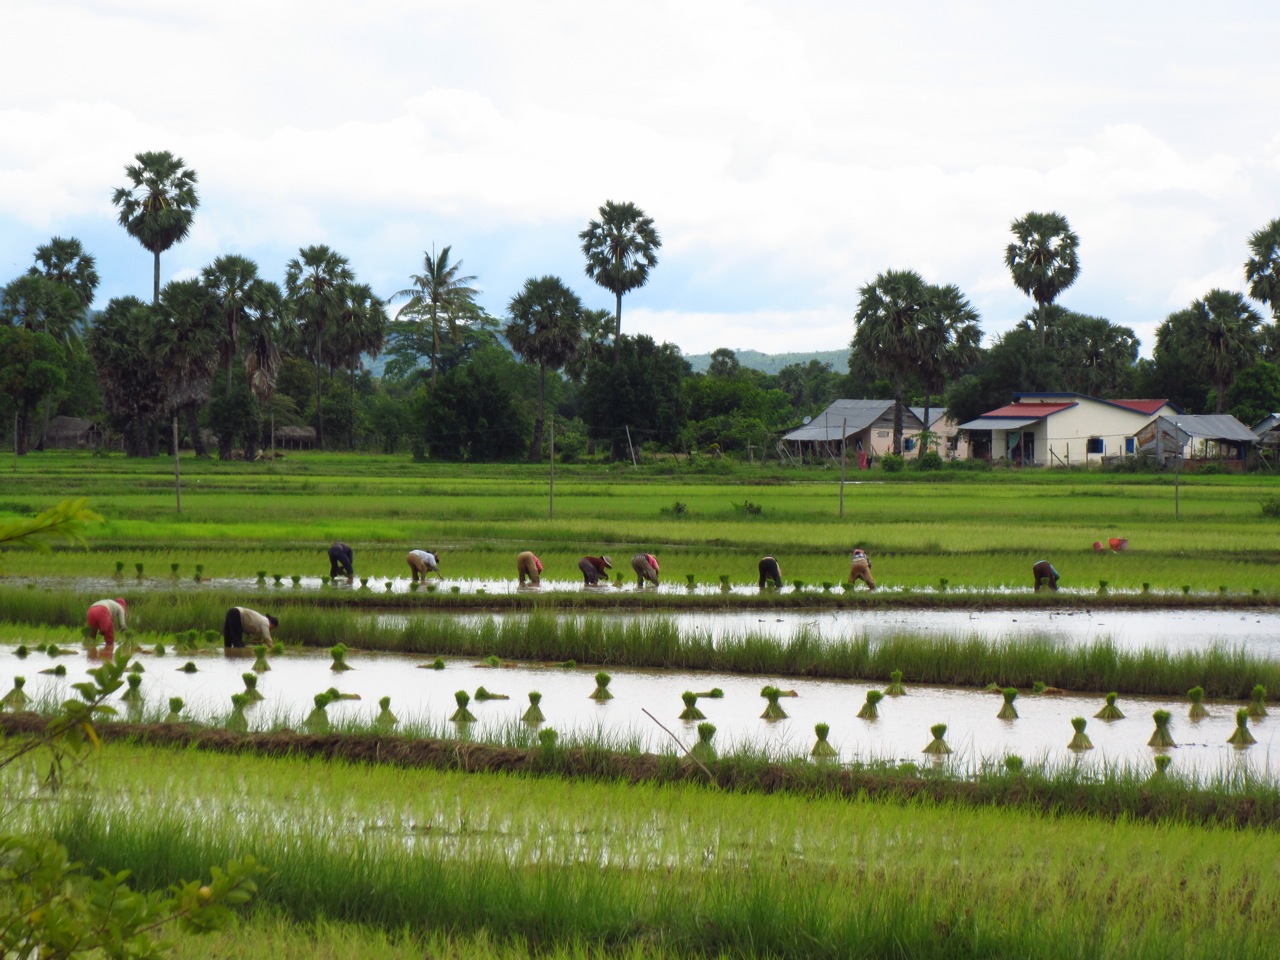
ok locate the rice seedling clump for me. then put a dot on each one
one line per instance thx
(1110, 711)
(895, 687)
(534, 714)
(691, 711)
(1197, 711)
(1241, 737)
(773, 711)
(822, 749)
(938, 746)
(1008, 711)
(601, 692)
(1081, 739)
(869, 711)
(1162, 737)
(462, 714)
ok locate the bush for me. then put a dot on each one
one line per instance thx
(930, 460)
(1271, 508)
(892, 462)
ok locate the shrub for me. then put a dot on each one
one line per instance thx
(892, 462)
(1271, 508)
(930, 460)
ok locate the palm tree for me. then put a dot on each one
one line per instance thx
(621, 248)
(359, 329)
(236, 288)
(440, 292)
(888, 331)
(262, 353)
(158, 209)
(949, 338)
(64, 261)
(186, 349)
(1262, 270)
(316, 282)
(546, 329)
(129, 375)
(1043, 259)
(1094, 356)
(1223, 328)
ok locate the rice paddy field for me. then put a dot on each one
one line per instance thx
(601, 843)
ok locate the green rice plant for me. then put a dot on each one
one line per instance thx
(1146, 586)
(1081, 739)
(432, 587)
(798, 585)
(297, 580)
(1013, 763)
(262, 578)
(689, 581)
(1162, 737)
(339, 653)
(773, 711)
(1222, 589)
(414, 585)
(1241, 737)
(1008, 711)
(455, 588)
(59, 670)
(251, 691)
(1110, 711)
(138, 567)
(336, 695)
(725, 587)
(364, 583)
(1163, 763)
(324, 581)
(134, 693)
(211, 638)
(1186, 589)
(21, 651)
(54, 650)
(278, 578)
(492, 661)
(189, 667)
(385, 719)
(547, 739)
(137, 667)
(16, 699)
(869, 711)
(895, 687)
(387, 585)
(175, 709)
(704, 751)
(1258, 702)
(437, 663)
(260, 664)
(119, 569)
(943, 582)
(1197, 711)
(462, 714)
(534, 715)
(715, 693)
(236, 721)
(601, 692)
(173, 570)
(317, 721)
(570, 665)
(277, 649)
(937, 746)
(199, 572)
(822, 749)
(691, 711)
(1102, 588)
(483, 694)
(158, 649)
(828, 586)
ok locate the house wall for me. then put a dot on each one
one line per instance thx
(948, 441)
(1062, 438)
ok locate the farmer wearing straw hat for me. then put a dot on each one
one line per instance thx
(770, 571)
(528, 565)
(646, 567)
(103, 617)
(342, 560)
(241, 622)
(593, 568)
(1044, 575)
(422, 562)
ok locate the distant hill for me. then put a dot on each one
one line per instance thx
(837, 360)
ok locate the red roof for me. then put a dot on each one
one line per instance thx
(1034, 410)
(1141, 406)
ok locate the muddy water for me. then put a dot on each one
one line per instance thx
(973, 731)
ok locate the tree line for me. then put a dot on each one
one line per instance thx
(235, 355)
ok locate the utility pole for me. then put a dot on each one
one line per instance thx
(844, 426)
(551, 505)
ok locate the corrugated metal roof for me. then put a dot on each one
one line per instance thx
(935, 414)
(1213, 426)
(997, 423)
(1141, 406)
(853, 415)
(1033, 410)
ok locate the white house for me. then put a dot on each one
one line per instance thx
(946, 433)
(1060, 429)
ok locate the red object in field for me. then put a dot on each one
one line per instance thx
(1119, 543)
(1097, 546)
(862, 460)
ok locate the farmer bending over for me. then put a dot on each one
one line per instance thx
(104, 616)
(646, 567)
(860, 568)
(241, 622)
(593, 569)
(1044, 575)
(422, 562)
(770, 571)
(342, 560)
(528, 565)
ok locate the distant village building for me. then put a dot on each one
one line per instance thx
(1198, 439)
(946, 434)
(296, 438)
(73, 433)
(864, 426)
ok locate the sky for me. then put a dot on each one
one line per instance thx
(787, 152)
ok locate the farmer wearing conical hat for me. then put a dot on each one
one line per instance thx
(593, 568)
(104, 617)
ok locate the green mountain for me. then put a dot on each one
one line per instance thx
(837, 360)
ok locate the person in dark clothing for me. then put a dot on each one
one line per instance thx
(1044, 575)
(241, 622)
(342, 560)
(593, 569)
(770, 571)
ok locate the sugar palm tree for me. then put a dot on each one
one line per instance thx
(186, 348)
(1262, 270)
(64, 261)
(1043, 259)
(948, 345)
(359, 330)
(316, 282)
(158, 208)
(888, 323)
(546, 329)
(439, 293)
(621, 248)
(262, 333)
(237, 289)
(1224, 330)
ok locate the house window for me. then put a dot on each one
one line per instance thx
(909, 444)
(1129, 446)
(1095, 445)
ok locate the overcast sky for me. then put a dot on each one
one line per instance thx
(788, 152)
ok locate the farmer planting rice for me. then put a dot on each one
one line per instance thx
(422, 562)
(342, 560)
(1043, 575)
(593, 569)
(103, 617)
(770, 572)
(241, 622)
(646, 567)
(860, 568)
(528, 565)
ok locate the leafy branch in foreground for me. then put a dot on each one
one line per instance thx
(68, 520)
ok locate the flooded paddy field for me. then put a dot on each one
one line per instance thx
(423, 699)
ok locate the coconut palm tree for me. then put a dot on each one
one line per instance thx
(185, 346)
(158, 208)
(546, 329)
(1043, 259)
(439, 293)
(64, 261)
(621, 248)
(948, 345)
(1224, 331)
(316, 282)
(888, 323)
(1262, 270)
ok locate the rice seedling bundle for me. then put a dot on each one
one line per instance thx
(236, 721)
(869, 710)
(937, 746)
(822, 749)
(339, 654)
(1162, 737)
(895, 687)
(251, 692)
(691, 711)
(175, 710)
(1258, 702)
(534, 714)
(462, 714)
(704, 751)
(1241, 737)
(133, 694)
(482, 694)
(317, 721)
(773, 710)
(1197, 710)
(1110, 711)
(385, 719)
(601, 692)
(1081, 739)
(260, 664)
(16, 699)
(1008, 711)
